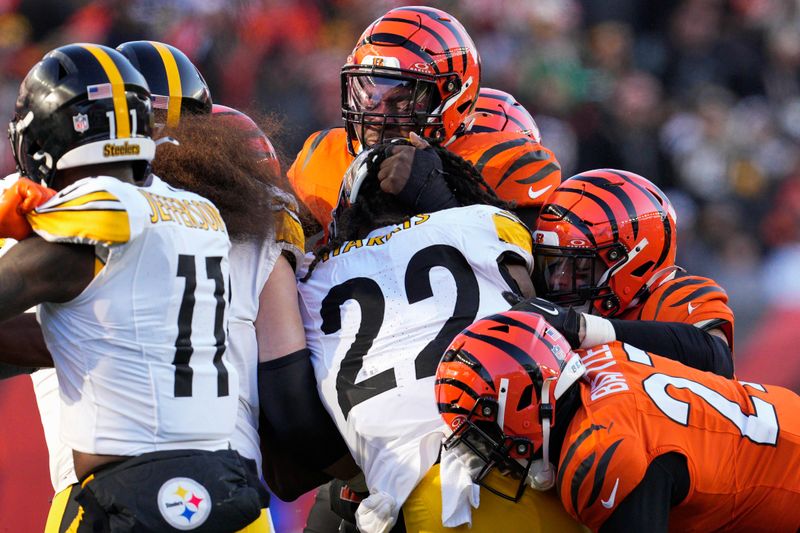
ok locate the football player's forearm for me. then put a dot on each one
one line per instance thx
(681, 342)
(35, 271)
(22, 343)
(291, 404)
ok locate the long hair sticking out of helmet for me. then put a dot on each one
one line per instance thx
(213, 160)
(375, 208)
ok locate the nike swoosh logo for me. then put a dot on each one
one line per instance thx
(534, 194)
(609, 503)
(552, 311)
(691, 307)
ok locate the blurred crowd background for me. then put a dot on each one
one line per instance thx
(700, 96)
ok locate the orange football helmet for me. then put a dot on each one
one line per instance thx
(497, 388)
(604, 238)
(260, 143)
(413, 69)
(497, 110)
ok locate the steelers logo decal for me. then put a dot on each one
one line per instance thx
(184, 503)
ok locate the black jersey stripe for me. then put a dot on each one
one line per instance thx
(686, 282)
(535, 156)
(577, 480)
(314, 145)
(697, 293)
(600, 472)
(573, 449)
(498, 149)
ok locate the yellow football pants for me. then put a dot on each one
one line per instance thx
(536, 511)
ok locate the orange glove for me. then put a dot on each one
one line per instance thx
(16, 202)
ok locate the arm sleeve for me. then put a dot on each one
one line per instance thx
(291, 405)
(681, 342)
(647, 507)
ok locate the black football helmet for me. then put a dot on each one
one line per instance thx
(175, 83)
(82, 104)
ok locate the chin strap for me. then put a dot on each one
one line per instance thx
(542, 474)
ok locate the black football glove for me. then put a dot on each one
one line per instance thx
(566, 321)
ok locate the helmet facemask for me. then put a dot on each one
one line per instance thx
(481, 434)
(577, 277)
(380, 105)
(497, 388)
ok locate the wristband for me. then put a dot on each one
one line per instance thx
(598, 331)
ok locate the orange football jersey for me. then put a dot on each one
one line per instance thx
(741, 441)
(518, 168)
(688, 299)
(515, 166)
(317, 171)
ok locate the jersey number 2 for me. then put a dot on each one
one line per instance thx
(761, 427)
(183, 343)
(370, 299)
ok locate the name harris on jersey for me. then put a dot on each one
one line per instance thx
(195, 214)
(377, 240)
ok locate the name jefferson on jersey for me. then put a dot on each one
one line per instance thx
(139, 352)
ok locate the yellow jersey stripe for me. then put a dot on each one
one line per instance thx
(289, 230)
(174, 83)
(512, 231)
(86, 198)
(88, 227)
(117, 89)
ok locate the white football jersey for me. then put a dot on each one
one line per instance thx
(379, 313)
(251, 264)
(139, 353)
(62, 469)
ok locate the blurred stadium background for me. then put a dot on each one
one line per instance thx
(700, 96)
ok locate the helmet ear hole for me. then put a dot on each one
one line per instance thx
(526, 398)
(642, 269)
(62, 71)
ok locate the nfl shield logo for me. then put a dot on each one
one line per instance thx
(80, 122)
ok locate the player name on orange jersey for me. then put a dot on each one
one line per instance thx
(600, 365)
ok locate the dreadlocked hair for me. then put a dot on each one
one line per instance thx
(375, 208)
(212, 160)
